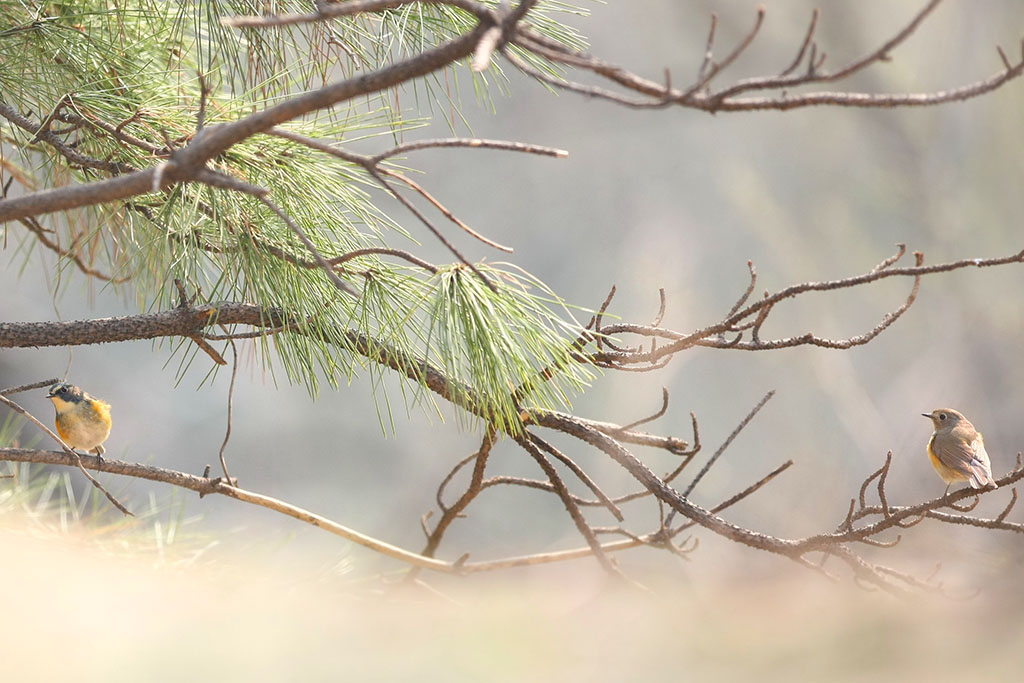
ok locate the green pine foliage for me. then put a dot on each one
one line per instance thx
(131, 69)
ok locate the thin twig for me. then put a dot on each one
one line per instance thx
(294, 227)
(29, 387)
(204, 92)
(728, 441)
(808, 37)
(653, 417)
(1009, 506)
(411, 258)
(468, 143)
(717, 68)
(745, 493)
(72, 255)
(372, 166)
(881, 484)
(746, 294)
(231, 403)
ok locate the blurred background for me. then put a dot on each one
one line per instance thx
(647, 199)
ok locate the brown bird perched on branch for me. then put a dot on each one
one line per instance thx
(82, 421)
(957, 450)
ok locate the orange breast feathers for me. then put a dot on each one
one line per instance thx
(85, 425)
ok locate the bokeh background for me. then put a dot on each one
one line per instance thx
(647, 199)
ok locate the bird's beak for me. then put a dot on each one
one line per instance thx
(928, 415)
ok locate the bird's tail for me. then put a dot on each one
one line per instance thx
(980, 479)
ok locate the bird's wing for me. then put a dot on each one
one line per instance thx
(968, 458)
(981, 466)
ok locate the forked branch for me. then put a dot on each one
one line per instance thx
(639, 92)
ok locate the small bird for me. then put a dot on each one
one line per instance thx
(82, 421)
(957, 450)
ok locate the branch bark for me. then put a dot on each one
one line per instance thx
(213, 140)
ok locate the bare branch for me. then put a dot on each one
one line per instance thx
(570, 505)
(655, 95)
(710, 69)
(449, 514)
(214, 140)
(712, 335)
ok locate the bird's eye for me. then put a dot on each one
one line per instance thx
(942, 416)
